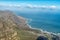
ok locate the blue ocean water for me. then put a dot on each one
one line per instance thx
(49, 21)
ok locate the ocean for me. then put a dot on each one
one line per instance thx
(48, 21)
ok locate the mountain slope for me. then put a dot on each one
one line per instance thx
(7, 27)
(14, 27)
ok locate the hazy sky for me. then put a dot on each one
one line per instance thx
(34, 2)
(30, 0)
(31, 4)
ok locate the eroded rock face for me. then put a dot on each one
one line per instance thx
(7, 28)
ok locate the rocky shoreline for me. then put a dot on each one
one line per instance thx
(26, 21)
(42, 31)
(53, 35)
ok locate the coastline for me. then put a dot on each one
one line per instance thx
(43, 31)
(36, 29)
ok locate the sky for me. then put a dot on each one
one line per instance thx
(31, 5)
(29, 0)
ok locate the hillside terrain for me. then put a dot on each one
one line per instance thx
(14, 27)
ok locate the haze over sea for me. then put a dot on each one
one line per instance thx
(39, 14)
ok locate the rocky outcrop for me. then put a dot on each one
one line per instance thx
(42, 38)
(7, 27)
(55, 37)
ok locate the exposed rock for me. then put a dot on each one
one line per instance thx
(7, 27)
(42, 38)
(55, 37)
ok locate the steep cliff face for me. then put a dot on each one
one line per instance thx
(7, 27)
